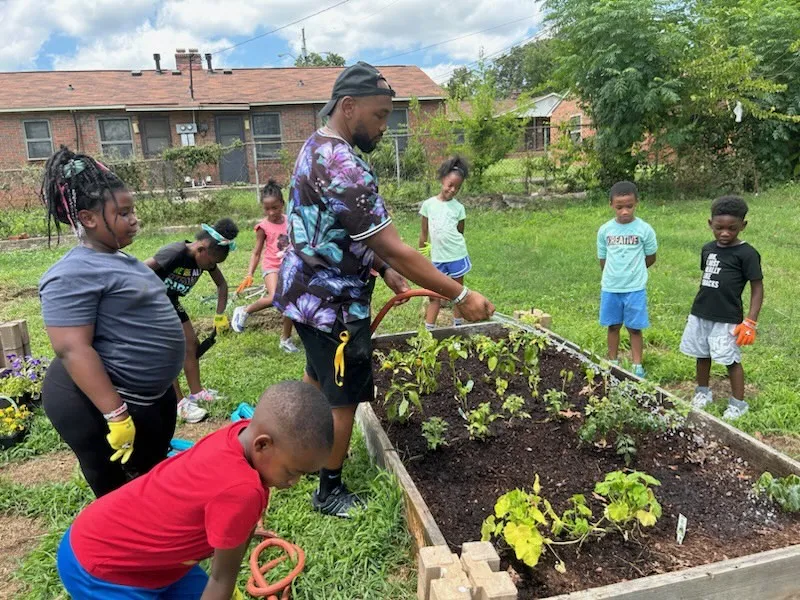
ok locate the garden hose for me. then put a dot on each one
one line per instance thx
(399, 298)
(257, 584)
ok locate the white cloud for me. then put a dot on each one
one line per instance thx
(135, 49)
(125, 33)
(441, 73)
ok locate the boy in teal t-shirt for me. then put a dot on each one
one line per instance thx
(626, 247)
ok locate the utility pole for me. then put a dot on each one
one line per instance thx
(304, 52)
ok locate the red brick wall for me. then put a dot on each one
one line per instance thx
(298, 122)
(565, 111)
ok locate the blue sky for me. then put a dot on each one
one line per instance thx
(124, 34)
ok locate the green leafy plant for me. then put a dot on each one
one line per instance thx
(629, 411)
(478, 421)
(785, 491)
(556, 403)
(456, 348)
(401, 398)
(500, 386)
(514, 405)
(630, 500)
(434, 430)
(424, 360)
(497, 355)
(462, 391)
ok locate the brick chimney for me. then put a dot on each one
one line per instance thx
(182, 59)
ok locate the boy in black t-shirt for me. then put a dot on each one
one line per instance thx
(716, 326)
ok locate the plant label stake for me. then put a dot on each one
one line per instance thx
(680, 533)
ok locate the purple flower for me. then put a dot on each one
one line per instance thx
(307, 310)
(349, 177)
(32, 376)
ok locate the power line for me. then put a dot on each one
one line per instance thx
(461, 37)
(319, 12)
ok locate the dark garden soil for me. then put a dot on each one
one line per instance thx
(700, 479)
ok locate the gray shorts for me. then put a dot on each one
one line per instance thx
(710, 339)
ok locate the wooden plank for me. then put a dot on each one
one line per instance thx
(421, 524)
(487, 328)
(768, 575)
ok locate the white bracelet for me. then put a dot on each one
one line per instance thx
(116, 412)
(462, 296)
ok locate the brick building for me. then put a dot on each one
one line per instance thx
(137, 114)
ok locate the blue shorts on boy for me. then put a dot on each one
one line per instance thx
(454, 268)
(624, 246)
(624, 308)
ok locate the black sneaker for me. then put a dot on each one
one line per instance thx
(339, 502)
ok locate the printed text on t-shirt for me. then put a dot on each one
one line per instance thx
(712, 268)
(622, 240)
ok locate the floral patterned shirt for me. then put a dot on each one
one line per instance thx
(333, 207)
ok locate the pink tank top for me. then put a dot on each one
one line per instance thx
(275, 244)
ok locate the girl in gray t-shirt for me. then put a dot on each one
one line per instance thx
(119, 343)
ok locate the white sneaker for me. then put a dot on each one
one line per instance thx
(190, 412)
(701, 400)
(288, 346)
(205, 395)
(238, 319)
(734, 412)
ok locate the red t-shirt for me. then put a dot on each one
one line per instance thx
(150, 532)
(275, 244)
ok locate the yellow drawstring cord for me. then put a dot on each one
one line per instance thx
(338, 359)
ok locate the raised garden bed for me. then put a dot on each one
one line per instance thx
(739, 545)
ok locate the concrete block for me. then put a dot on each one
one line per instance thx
(481, 551)
(449, 589)
(476, 569)
(496, 586)
(430, 562)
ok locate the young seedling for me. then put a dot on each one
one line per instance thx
(434, 430)
(500, 386)
(456, 348)
(400, 398)
(630, 502)
(425, 361)
(513, 405)
(478, 421)
(462, 391)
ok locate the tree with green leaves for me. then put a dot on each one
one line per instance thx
(526, 68)
(462, 84)
(621, 58)
(313, 59)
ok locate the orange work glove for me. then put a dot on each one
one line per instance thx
(246, 283)
(745, 332)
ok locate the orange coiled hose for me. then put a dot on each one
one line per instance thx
(257, 584)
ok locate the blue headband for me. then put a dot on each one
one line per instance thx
(221, 241)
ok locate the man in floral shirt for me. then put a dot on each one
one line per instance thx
(340, 231)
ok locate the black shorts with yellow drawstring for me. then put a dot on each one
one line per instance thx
(342, 386)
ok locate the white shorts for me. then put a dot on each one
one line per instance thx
(710, 339)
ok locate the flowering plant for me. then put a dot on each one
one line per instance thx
(25, 376)
(13, 419)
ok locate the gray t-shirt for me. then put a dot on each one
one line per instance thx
(137, 332)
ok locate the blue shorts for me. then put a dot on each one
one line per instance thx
(455, 268)
(82, 586)
(624, 308)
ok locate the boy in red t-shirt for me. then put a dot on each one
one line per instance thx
(144, 540)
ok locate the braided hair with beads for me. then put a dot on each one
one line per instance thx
(72, 183)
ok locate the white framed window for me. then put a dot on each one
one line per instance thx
(575, 128)
(38, 139)
(267, 134)
(116, 139)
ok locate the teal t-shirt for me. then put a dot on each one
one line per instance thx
(447, 242)
(624, 248)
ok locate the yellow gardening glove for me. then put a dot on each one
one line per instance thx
(120, 438)
(246, 283)
(221, 323)
(745, 332)
(237, 595)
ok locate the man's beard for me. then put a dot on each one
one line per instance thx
(363, 142)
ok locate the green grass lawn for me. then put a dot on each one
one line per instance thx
(521, 259)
